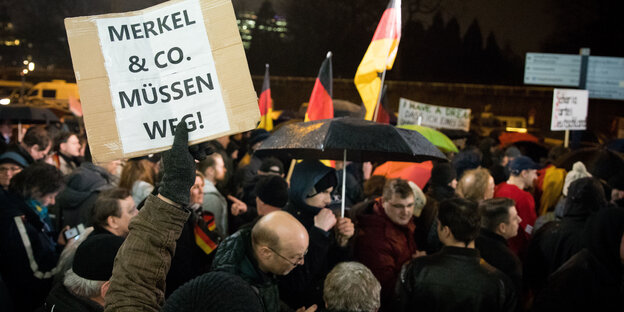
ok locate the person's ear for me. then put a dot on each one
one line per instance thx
(264, 252)
(112, 222)
(104, 289)
(445, 231)
(501, 228)
(33, 148)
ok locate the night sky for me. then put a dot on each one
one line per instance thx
(523, 24)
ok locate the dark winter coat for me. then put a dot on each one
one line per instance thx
(61, 300)
(235, 256)
(303, 286)
(557, 241)
(455, 279)
(28, 276)
(495, 251)
(592, 278)
(189, 261)
(383, 247)
(76, 200)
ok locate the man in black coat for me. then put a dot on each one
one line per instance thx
(592, 278)
(499, 222)
(455, 279)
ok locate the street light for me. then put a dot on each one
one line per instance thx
(28, 67)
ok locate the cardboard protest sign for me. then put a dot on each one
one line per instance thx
(433, 116)
(569, 109)
(140, 73)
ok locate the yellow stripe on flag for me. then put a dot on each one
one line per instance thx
(379, 56)
(266, 122)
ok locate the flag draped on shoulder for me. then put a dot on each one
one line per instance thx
(265, 103)
(379, 56)
(321, 105)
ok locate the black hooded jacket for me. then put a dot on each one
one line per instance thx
(76, 200)
(592, 278)
(303, 286)
(555, 242)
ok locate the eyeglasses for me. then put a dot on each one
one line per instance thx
(296, 263)
(4, 170)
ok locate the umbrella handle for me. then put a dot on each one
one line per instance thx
(344, 183)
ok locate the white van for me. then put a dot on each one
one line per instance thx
(53, 94)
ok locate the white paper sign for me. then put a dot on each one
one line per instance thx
(162, 71)
(433, 116)
(569, 109)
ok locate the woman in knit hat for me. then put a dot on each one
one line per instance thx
(11, 163)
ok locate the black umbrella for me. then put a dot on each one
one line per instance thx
(601, 162)
(351, 139)
(27, 114)
(363, 140)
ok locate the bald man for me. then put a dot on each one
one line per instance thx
(275, 245)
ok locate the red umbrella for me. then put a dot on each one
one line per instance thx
(418, 173)
(507, 138)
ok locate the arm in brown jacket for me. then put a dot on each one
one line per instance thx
(142, 263)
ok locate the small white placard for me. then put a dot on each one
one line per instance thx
(434, 116)
(569, 109)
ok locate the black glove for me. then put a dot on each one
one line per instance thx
(179, 168)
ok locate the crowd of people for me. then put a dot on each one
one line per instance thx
(214, 227)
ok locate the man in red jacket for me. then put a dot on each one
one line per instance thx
(523, 174)
(386, 236)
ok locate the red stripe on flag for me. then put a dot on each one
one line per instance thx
(389, 25)
(321, 105)
(265, 102)
(200, 236)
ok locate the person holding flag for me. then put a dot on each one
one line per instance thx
(379, 57)
(265, 103)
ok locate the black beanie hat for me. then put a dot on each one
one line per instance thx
(95, 257)
(272, 190)
(442, 173)
(214, 291)
(327, 181)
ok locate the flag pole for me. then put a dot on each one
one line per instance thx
(344, 183)
(383, 77)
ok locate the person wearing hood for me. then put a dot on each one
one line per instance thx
(555, 242)
(592, 278)
(310, 192)
(84, 184)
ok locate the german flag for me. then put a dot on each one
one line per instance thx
(321, 105)
(265, 103)
(379, 57)
(205, 236)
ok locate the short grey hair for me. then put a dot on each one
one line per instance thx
(351, 286)
(82, 287)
